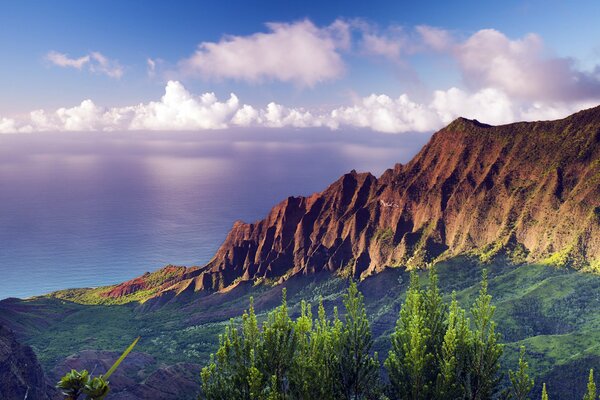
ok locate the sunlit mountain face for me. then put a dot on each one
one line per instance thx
(162, 163)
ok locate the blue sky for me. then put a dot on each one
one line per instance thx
(58, 54)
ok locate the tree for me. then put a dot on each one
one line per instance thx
(521, 383)
(233, 372)
(295, 359)
(278, 348)
(358, 370)
(454, 377)
(544, 392)
(486, 348)
(436, 314)
(590, 394)
(409, 356)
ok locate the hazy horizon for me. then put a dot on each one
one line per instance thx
(81, 210)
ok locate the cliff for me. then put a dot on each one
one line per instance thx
(21, 377)
(526, 191)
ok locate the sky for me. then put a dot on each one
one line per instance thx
(388, 66)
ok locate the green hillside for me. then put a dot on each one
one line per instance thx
(554, 312)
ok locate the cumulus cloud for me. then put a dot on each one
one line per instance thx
(95, 62)
(522, 68)
(8, 125)
(296, 52)
(178, 109)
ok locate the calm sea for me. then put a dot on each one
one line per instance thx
(83, 209)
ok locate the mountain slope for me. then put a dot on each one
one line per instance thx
(529, 191)
(21, 377)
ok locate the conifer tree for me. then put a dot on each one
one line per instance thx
(590, 394)
(323, 341)
(521, 383)
(232, 372)
(454, 364)
(358, 372)
(409, 356)
(304, 365)
(544, 392)
(278, 349)
(486, 350)
(436, 312)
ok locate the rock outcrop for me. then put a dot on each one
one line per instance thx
(21, 376)
(527, 191)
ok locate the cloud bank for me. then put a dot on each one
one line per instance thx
(178, 109)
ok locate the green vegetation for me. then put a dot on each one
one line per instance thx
(590, 393)
(548, 310)
(384, 236)
(436, 353)
(521, 383)
(300, 359)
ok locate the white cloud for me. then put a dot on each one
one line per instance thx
(384, 114)
(487, 105)
(95, 61)
(63, 60)
(178, 109)
(435, 38)
(379, 45)
(105, 66)
(8, 125)
(522, 68)
(296, 52)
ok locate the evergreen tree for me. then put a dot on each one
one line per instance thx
(358, 371)
(521, 383)
(544, 392)
(409, 356)
(486, 349)
(590, 394)
(436, 313)
(232, 372)
(323, 342)
(453, 378)
(278, 349)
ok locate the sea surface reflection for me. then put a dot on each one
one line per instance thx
(90, 209)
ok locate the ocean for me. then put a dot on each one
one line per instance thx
(92, 209)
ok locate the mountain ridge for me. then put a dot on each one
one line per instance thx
(527, 191)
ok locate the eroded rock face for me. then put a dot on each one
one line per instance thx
(526, 191)
(20, 374)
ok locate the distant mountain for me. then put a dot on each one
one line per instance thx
(527, 191)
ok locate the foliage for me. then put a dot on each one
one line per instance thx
(544, 392)
(590, 394)
(77, 383)
(548, 310)
(486, 349)
(435, 354)
(521, 383)
(358, 371)
(295, 359)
